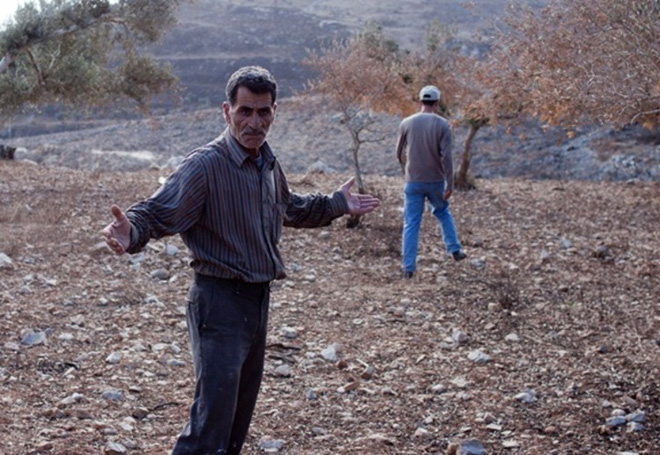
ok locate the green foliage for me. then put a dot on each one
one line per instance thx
(379, 45)
(83, 53)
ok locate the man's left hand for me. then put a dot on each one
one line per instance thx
(358, 204)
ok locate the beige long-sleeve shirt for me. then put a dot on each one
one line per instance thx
(424, 149)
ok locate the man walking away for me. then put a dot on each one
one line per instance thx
(424, 151)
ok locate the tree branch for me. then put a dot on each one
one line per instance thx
(40, 75)
(640, 114)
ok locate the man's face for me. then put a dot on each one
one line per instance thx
(249, 118)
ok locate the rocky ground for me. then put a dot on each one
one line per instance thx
(544, 341)
(307, 135)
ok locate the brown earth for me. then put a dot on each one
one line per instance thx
(570, 268)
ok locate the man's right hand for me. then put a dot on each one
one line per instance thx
(118, 233)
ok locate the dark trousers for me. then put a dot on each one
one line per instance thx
(227, 322)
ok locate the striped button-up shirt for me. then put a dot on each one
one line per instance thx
(229, 209)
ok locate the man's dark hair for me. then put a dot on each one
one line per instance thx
(429, 102)
(254, 78)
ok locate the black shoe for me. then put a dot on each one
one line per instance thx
(458, 255)
(407, 275)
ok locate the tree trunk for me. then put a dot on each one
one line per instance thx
(354, 220)
(462, 179)
(7, 152)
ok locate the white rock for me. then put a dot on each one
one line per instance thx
(331, 353)
(114, 358)
(5, 261)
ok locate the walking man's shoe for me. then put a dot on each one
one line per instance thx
(458, 255)
(407, 275)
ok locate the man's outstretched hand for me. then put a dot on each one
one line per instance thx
(358, 204)
(118, 233)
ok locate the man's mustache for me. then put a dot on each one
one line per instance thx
(255, 132)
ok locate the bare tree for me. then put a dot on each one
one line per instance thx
(360, 77)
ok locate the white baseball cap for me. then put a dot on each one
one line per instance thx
(429, 93)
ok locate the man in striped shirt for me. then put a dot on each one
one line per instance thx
(229, 200)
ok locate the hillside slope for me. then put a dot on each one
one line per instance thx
(306, 134)
(560, 291)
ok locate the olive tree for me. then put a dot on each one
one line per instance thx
(580, 61)
(83, 53)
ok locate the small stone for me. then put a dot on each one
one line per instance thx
(160, 274)
(283, 371)
(170, 250)
(512, 338)
(71, 399)
(439, 388)
(331, 353)
(289, 333)
(114, 448)
(526, 397)
(5, 261)
(510, 444)
(33, 338)
(615, 421)
(471, 447)
(494, 307)
(272, 445)
(351, 386)
(10, 346)
(368, 373)
(420, 432)
(639, 417)
(479, 357)
(45, 446)
(112, 395)
(159, 347)
(550, 429)
(459, 337)
(140, 413)
(152, 300)
(114, 358)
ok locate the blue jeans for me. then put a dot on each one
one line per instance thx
(416, 194)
